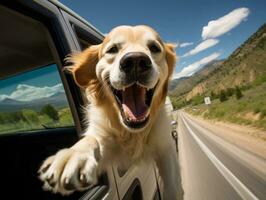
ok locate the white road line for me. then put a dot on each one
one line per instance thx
(241, 189)
(252, 161)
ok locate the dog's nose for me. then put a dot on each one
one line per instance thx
(135, 62)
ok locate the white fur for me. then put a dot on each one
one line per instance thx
(107, 140)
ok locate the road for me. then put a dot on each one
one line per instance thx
(213, 168)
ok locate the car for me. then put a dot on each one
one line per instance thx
(41, 107)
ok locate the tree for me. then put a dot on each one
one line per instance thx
(238, 93)
(50, 111)
(222, 96)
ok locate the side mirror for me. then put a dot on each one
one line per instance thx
(173, 123)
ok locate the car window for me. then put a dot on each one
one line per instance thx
(32, 95)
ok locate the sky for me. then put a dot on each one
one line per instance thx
(36, 84)
(205, 30)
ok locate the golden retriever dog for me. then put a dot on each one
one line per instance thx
(126, 80)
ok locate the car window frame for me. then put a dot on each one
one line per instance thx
(78, 28)
(49, 15)
(76, 25)
(107, 182)
(95, 37)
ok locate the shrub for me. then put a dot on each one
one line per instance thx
(222, 96)
(196, 100)
(262, 113)
(256, 110)
(213, 95)
(219, 114)
(229, 92)
(238, 93)
(50, 111)
(260, 80)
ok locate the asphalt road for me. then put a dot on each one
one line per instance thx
(214, 169)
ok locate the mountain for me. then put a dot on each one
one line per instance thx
(185, 84)
(58, 100)
(176, 82)
(246, 65)
(9, 101)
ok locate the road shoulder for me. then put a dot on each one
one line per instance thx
(246, 138)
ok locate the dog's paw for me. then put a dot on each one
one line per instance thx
(69, 170)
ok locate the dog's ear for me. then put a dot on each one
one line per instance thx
(171, 57)
(84, 67)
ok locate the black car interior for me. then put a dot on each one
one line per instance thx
(27, 45)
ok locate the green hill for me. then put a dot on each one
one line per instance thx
(247, 64)
(185, 84)
(236, 86)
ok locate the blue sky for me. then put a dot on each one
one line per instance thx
(35, 84)
(45, 76)
(178, 21)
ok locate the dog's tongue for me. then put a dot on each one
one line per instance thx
(133, 102)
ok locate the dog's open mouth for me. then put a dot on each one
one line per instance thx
(134, 103)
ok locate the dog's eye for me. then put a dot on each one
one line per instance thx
(113, 50)
(154, 48)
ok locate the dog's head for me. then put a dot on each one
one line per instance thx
(129, 70)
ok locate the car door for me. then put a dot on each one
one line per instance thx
(138, 182)
(39, 102)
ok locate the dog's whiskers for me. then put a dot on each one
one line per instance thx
(104, 84)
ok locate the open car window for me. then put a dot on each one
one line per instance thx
(32, 95)
(33, 100)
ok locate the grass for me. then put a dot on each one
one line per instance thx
(36, 122)
(248, 110)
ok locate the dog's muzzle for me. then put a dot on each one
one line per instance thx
(134, 98)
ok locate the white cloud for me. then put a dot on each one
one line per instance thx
(3, 96)
(25, 92)
(224, 24)
(185, 44)
(192, 68)
(202, 46)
